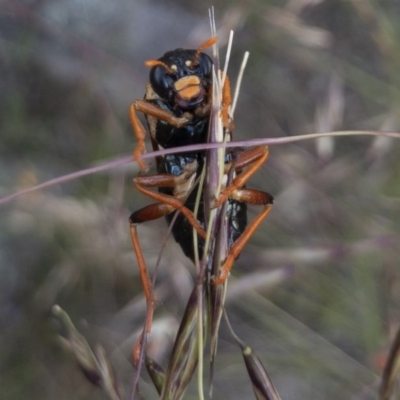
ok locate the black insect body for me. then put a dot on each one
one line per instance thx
(177, 107)
(181, 85)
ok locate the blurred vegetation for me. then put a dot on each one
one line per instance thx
(315, 293)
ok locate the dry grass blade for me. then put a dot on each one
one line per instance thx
(216, 293)
(156, 373)
(96, 368)
(109, 382)
(391, 373)
(262, 384)
(263, 387)
(216, 247)
(184, 357)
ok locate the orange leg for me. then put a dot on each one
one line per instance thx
(140, 134)
(151, 212)
(254, 158)
(169, 203)
(147, 287)
(139, 130)
(226, 103)
(250, 156)
(258, 156)
(166, 205)
(238, 246)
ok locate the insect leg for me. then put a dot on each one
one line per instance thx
(151, 212)
(226, 104)
(240, 243)
(140, 133)
(174, 203)
(255, 157)
(166, 205)
(147, 287)
(148, 213)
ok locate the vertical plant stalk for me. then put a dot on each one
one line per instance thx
(215, 251)
(184, 357)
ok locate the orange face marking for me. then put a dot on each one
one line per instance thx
(188, 87)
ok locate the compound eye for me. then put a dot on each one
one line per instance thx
(160, 81)
(206, 65)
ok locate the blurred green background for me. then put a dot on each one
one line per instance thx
(315, 292)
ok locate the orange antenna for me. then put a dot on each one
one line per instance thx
(206, 44)
(153, 63)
